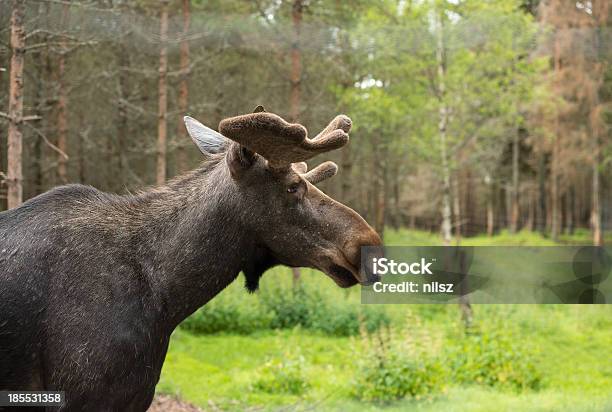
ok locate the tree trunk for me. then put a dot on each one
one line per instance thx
(569, 211)
(457, 207)
(183, 96)
(598, 239)
(531, 210)
(296, 275)
(14, 178)
(514, 218)
(541, 206)
(81, 152)
(122, 112)
(62, 101)
(469, 204)
(397, 213)
(162, 125)
(554, 173)
(383, 205)
(554, 192)
(490, 210)
(374, 199)
(442, 124)
(42, 99)
(296, 60)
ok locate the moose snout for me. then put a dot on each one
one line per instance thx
(365, 241)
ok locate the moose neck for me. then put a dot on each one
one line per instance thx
(197, 244)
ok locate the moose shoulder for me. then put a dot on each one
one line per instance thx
(93, 284)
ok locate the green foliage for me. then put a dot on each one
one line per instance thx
(395, 376)
(284, 307)
(220, 369)
(229, 315)
(307, 307)
(284, 375)
(495, 354)
(291, 306)
(418, 362)
(399, 366)
(338, 319)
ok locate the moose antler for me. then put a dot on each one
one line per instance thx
(283, 143)
(322, 172)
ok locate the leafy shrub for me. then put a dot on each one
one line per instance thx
(396, 376)
(282, 376)
(493, 354)
(395, 367)
(224, 315)
(310, 309)
(340, 319)
(284, 307)
(291, 306)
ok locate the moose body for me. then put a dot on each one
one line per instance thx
(93, 284)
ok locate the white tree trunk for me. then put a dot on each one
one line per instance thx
(442, 124)
(14, 177)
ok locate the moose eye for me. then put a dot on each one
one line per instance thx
(293, 188)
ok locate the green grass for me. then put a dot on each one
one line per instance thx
(574, 350)
(574, 345)
(405, 237)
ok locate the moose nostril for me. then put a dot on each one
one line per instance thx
(368, 239)
(369, 244)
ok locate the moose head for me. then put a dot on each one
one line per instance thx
(293, 222)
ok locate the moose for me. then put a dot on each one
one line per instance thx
(93, 284)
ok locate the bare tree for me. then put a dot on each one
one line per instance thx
(62, 100)
(162, 113)
(442, 125)
(123, 61)
(554, 169)
(601, 14)
(14, 177)
(514, 215)
(296, 60)
(183, 97)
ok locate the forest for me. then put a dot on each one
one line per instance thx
(470, 117)
(475, 123)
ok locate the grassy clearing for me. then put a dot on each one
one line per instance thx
(574, 352)
(573, 346)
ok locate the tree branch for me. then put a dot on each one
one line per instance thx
(51, 145)
(23, 119)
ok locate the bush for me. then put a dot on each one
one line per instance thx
(394, 367)
(282, 376)
(345, 320)
(396, 376)
(224, 315)
(494, 354)
(284, 307)
(310, 309)
(290, 307)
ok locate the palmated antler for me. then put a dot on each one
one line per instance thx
(283, 143)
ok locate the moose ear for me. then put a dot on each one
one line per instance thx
(207, 140)
(239, 159)
(258, 109)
